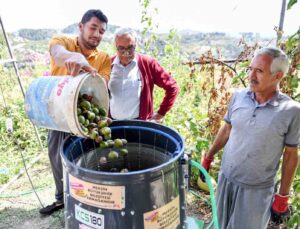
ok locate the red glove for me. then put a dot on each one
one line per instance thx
(206, 162)
(280, 208)
(280, 203)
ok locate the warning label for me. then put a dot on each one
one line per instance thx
(166, 217)
(101, 196)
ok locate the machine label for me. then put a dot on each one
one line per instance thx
(89, 218)
(101, 196)
(166, 217)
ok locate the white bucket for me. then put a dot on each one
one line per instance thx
(51, 101)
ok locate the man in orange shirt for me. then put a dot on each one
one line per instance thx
(70, 56)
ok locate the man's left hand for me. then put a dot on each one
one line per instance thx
(280, 209)
(156, 118)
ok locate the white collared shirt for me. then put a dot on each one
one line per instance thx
(125, 88)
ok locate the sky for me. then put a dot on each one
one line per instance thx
(230, 16)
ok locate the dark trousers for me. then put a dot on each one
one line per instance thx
(55, 142)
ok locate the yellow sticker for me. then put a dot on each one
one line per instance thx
(101, 196)
(166, 217)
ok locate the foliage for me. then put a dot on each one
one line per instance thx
(37, 34)
(295, 202)
(3, 49)
(290, 84)
(206, 89)
(205, 84)
(12, 108)
(149, 38)
(291, 3)
(218, 92)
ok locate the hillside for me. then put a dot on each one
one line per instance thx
(191, 43)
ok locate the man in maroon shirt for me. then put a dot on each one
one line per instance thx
(132, 80)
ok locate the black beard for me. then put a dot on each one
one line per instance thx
(88, 45)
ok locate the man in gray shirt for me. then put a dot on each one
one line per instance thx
(261, 125)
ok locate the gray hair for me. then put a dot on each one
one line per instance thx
(280, 61)
(124, 31)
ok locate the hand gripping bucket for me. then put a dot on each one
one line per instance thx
(51, 101)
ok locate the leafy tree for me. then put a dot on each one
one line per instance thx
(71, 29)
(36, 34)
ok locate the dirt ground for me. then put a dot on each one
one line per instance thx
(21, 211)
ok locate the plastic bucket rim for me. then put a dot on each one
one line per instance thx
(133, 173)
(84, 78)
(75, 105)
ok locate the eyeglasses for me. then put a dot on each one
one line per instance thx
(130, 49)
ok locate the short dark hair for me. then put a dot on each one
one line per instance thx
(94, 13)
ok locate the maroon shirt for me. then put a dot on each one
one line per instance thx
(153, 74)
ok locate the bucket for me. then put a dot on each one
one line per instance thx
(150, 195)
(51, 101)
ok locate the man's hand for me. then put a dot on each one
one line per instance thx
(77, 63)
(73, 61)
(280, 209)
(206, 163)
(156, 118)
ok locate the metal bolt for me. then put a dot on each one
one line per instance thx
(99, 210)
(132, 212)
(80, 204)
(182, 207)
(172, 197)
(122, 213)
(154, 206)
(69, 217)
(182, 186)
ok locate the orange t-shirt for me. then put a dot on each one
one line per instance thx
(98, 59)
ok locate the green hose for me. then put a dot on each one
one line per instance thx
(5, 195)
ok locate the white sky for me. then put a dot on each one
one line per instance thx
(201, 15)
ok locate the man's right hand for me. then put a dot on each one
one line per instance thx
(280, 209)
(206, 163)
(74, 62)
(77, 63)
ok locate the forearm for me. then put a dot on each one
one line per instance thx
(61, 56)
(289, 167)
(164, 80)
(169, 99)
(220, 140)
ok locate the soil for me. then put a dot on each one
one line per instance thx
(22, 211)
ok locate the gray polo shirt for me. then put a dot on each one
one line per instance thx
(258, 136)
